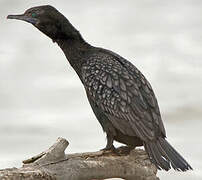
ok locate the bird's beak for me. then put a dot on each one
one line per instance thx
(23, 18)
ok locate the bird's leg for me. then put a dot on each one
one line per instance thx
(109, 146)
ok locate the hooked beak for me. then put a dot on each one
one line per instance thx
(23, 18)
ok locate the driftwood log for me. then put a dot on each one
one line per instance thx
(54, 164)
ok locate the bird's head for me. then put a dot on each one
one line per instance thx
(49, 21)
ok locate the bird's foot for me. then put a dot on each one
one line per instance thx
(120, 151)
(108, 149)
(124, 150)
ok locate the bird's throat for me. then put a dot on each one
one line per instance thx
(74, 50)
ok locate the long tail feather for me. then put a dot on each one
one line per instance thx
(163, 155)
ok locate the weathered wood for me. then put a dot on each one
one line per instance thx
(53, 164)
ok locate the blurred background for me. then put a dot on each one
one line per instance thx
(41, 97)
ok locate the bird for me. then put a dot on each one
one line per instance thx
(120, 96)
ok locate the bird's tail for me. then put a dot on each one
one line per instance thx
(163, 155)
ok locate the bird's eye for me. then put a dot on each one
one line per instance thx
(33, 15)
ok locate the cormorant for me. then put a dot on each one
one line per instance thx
(121, 98)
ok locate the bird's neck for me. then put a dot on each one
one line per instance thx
(75, 49)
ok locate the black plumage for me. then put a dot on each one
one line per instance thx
(121, 98)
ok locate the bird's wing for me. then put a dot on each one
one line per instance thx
(124, 95)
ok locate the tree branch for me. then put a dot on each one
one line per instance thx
(53, 164)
